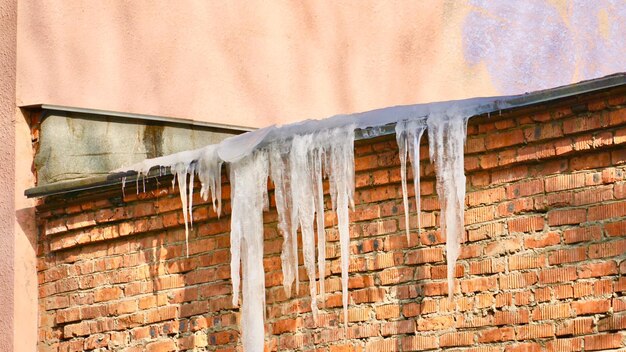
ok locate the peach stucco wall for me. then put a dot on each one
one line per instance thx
(256, 62)
(8, 45)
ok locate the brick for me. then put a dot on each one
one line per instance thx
(521, 262)
(479, 284)
(615, 322)
(161, 346)
(523, 347)
(384, 345)
(542, 240)
(435, 323)
(552, 312)
(603, 342)
(574, 344)
(487, 266)
(548, 276)
(398, 327)
(607, 211)
(543, 131)
(517, 280)
(535, 331)
(417, 343)
(526, 224)
(543, 294)
(616, 229)
(456, 339)
(284, 325)
(523, 189)
(570, 255)
(505, 139)
(578, 326)
(503, 246)
(590, 270)
(565, 182)
(582, 234)
(591, 307)
(388, 311)
(107, 294)
(511, 317)
(584, 123)
(487, 196)
(566, 217)
(590, 161)
(496, 335)
(607, 249)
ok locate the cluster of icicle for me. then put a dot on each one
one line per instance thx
(297, 167)
(297, 158)
(446, 137)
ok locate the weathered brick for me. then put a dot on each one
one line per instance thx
(548, 276)
(591, 307)
(566, 217)
(603, 342)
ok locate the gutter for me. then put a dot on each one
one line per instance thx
(104, 181)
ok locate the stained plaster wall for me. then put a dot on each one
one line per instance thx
(254, 63)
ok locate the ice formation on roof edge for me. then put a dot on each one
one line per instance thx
(249, 199)
(408, 136)
(327, 145)
(446, 138)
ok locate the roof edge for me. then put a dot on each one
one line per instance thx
(522, 101)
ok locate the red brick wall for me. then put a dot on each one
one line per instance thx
(543, 266)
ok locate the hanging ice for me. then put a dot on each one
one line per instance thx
(446, 136)
(298, 156)
(319, 206)
(303, 206)
(297, 171)
(209, 171)
(409, 135)
(341, 165)
(249, 184)
(280, 167)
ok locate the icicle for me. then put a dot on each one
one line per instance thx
(279, 166)
(209, 172)
(446, 136)
(303, 206)
(342, 192)
(401, 138)
(181, 175)
(191, 171)
(409, 136)
(249, 182)
(414, 156)
(321, 232)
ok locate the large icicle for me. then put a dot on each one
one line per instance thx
(303, 206)
(181, 175)
(249, 182)
(446, 136)
(321, 232)
(209, 172)
(280, 173)
(341, 165)
(409, 135)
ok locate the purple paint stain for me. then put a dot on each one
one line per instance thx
(529, 47)
(600, 29)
